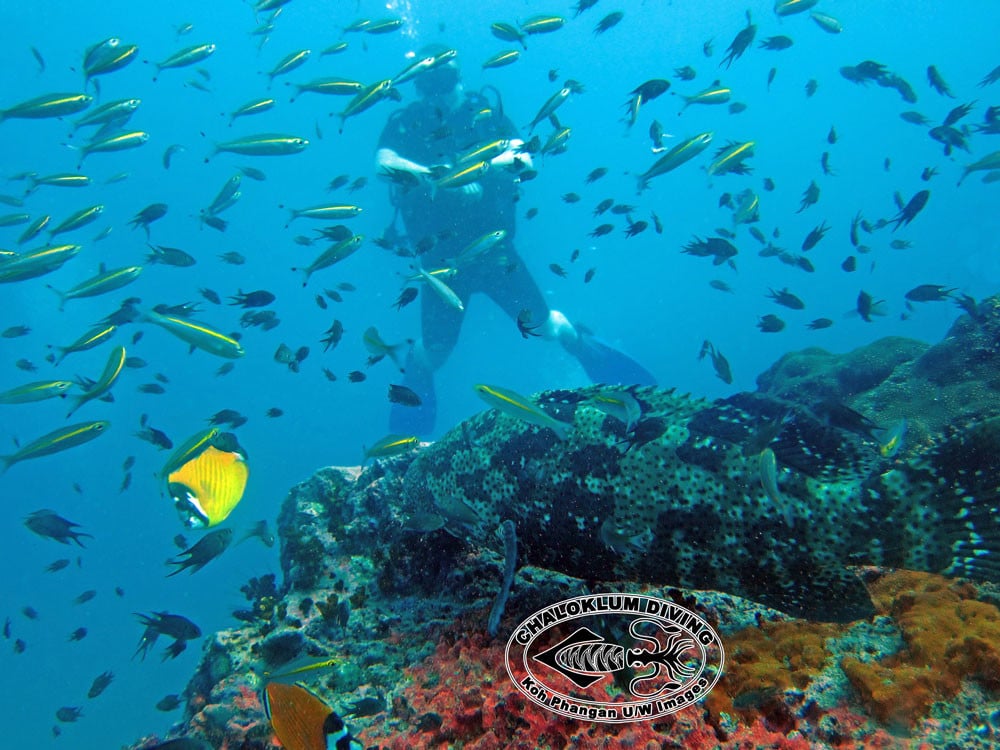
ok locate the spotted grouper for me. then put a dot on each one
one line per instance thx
(679, 500)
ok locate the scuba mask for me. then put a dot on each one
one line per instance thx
(438, 81)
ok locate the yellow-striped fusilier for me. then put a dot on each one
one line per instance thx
(13, 220)
(106, 58)
(56, 441)
(791, 7)
(542, 24)
(295, 670)
(49, 105)
(333, 254)
(263, 144)
(288, 63)
(37, 391)
(444, 291)
(500, 59)
(383, 26)
(988, 163)
(334, 86)
(116, 361)
(463, 176)
(56, 180)
(198, 335)
(208, 478)
(77, 219)
(485, 151)
(714, 94)
(94, 337)
(414, 69)
(104, 282)
(392, 445)
(118, 142)
(507, 33)
(682, 152)
(368, 97)
(185, 57)
(551, 105)
(767, 464)
(334, 49)
(120, 110)
(36, 262)
(556, 142)
(619, 404)
(335, 212)
(730, 158)
(254, 107)
(516, 405)
(479, 247)
(34, 229)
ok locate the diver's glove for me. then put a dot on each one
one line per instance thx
(515, 157)
(436, 172)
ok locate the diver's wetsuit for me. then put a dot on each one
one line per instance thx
(449, 220)
(440, 223)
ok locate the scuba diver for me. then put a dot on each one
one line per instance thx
(453, 159)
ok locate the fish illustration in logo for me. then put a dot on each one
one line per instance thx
(585, 657)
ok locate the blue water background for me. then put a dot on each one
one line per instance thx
(646, 297)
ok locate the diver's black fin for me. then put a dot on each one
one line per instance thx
(605, 364)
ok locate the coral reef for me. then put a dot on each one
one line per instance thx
(460, 697)
(949, 637)
(951, 382)
(393, 570)
(264, 598)
(817, 375)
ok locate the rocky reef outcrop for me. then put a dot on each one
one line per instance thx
(393, 569)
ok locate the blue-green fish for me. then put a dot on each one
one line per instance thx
(185, 57)
(102, 283)
(392, 445)
(37, 391)
(37, 262)
(49, 105)
(198, 335)
(516, 405)
(56, 441)
(264, 144)
(94, 337)
(682, 152)
(113, 368)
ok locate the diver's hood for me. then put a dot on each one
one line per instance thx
(439, 81)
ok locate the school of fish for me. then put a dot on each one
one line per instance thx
(56, 259)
